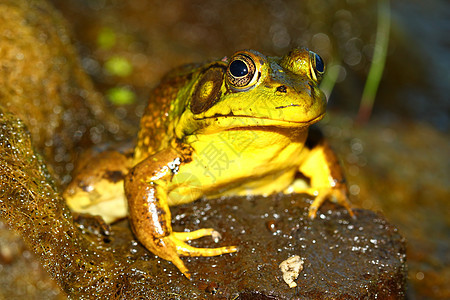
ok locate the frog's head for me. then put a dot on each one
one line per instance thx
(250, 89)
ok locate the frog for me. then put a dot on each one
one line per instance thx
(236, 126)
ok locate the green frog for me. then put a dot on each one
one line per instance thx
(235, 126)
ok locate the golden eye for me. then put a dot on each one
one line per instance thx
(242, 72)
(317, 66)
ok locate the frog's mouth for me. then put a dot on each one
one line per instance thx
(232, 121)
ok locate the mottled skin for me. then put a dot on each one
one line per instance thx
(232, 127)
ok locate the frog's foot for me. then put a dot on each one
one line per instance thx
(176, 247)
(335, 195)
(193, 235)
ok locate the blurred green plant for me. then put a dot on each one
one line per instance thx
(106, 38)
(118, 66)
(329, 80)
(378, 62)
(121, 96)
(376, 67)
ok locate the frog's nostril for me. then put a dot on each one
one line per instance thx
(282, 89)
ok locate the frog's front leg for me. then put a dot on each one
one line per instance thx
(146, 188)
(321, 166)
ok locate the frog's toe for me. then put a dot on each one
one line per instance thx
(346, 203)
(335, 195)
(181, 266)
(314, 207)
(340, 197)
(177, 247)
(187, 250)
(192, 235)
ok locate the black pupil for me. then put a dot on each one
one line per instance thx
(238, 68)
(319, 63)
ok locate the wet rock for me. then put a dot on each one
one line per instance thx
(21, 273)
(343, 257)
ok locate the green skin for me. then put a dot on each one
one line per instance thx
(194, 107)
(219, 129)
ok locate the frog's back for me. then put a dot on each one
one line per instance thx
(161, 111)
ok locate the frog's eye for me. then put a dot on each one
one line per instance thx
(317, 66)
(242, 72)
